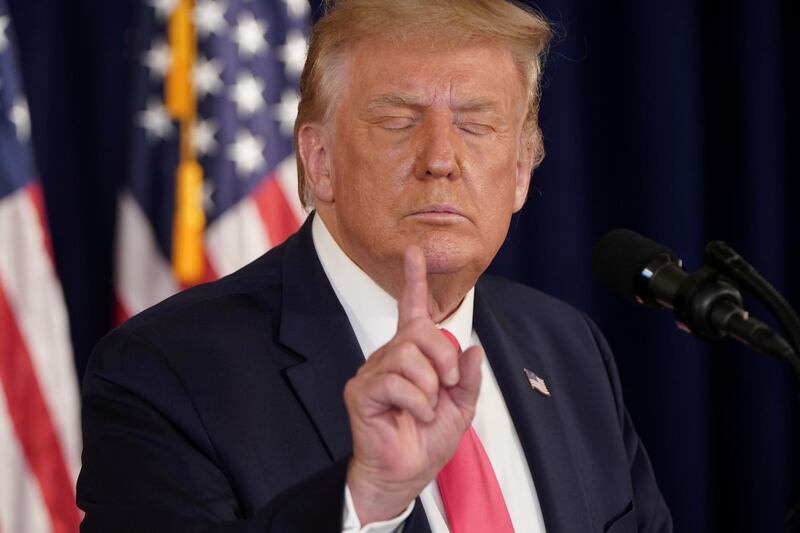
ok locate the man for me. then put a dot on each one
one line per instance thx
(246, 404)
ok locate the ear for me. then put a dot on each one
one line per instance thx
(312, 144)
(524, 170)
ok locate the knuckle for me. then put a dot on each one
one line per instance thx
(411, 352)
(405, 351)
(393, 383)
(350, 395)
(430, 381)
(350, 389)
(444, 355)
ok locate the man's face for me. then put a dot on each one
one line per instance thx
(424, 147)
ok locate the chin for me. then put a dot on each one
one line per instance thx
(445, 254)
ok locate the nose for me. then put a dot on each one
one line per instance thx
(440, 148)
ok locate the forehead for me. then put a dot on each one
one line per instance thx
(427, 73)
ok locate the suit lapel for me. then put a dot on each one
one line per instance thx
(314, 325)
(536, 418)
(417, 521)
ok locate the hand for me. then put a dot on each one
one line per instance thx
(409, 405)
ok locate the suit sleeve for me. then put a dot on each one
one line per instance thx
(649, 507)
(149, 465)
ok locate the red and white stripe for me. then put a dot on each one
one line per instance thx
(258, 222)
(143, 275)
(40, 441)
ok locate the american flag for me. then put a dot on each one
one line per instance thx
(536, 383)
(242, 68)
(39, 408)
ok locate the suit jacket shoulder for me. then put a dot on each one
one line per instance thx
(193, 410)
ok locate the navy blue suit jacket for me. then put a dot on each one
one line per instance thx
(221, 409)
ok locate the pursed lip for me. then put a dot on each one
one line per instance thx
(438, 210)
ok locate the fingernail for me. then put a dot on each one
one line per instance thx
(452, 377)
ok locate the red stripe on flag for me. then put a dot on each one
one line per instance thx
(34, 190)
(279, 220)
(120, 313)
(210, 273)
(33, 426)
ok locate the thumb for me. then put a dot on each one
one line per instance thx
(465, 392)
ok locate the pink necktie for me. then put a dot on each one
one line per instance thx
(471, 496)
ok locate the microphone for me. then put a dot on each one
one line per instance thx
(705, 303)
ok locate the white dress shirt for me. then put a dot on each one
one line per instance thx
(373, 315)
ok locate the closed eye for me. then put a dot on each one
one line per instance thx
(475, 128)
(396, 123)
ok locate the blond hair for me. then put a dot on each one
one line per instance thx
(458, 22)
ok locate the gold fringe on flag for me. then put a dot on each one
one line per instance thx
(188, 225)
(190, 220)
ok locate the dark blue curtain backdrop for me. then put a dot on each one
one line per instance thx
(677, 119)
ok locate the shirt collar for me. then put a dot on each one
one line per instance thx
(371, 310)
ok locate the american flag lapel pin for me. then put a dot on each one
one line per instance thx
(537, 383)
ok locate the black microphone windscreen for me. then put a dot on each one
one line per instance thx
(620, 256)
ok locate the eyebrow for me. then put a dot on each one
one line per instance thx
(477, 104)
(394, 100)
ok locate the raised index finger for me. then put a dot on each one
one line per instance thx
(414, 300)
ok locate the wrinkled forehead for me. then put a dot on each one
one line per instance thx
(386, 71)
